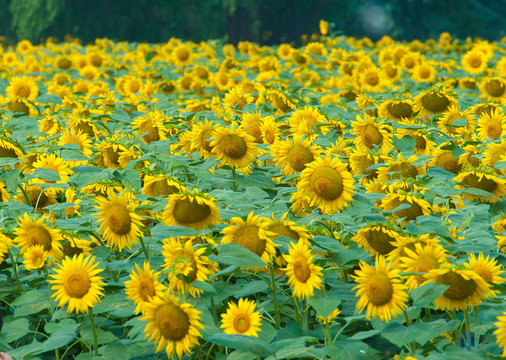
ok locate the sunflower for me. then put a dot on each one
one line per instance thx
(329, 184)
(485, 267)
(474, 62)
(233, 146)
(399, 168)
(143, 286)
(86, 126)
(500, 333)
(193, 210)
(160, 186)
(182, 55)
(380, 289)
(252, 234)
(55, 163)
(235, 100)
(493, 125)
(424, 145)
(251, 122)
(49, 125)
(391, 71)
(109, 152)
(172, 324)
(279, 100)
(76, 246)
(481, 180)
(445, 159)
(396, 109)
(432, 102)
(241, 318)
(120, 226)
(22, 87)
(424, 72)
(370, 135)
(453, 113)
(495, 151)
(286, 228)
(154, 124)
(76, 283)
(422, 258)
(38, 232)
(269, 130)
(77, 137)
(293, 155)
(493, 89)
(304, 121)
(186, 265)
(37, 197)
(361, 162)
(301, 203)
(35, 257)
(304, 275)
(412, 206)
(465, 287)
(9, 149)
(372, 79)
(376, 239)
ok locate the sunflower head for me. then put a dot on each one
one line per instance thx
(241, 318)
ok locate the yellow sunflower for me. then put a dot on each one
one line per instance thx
(233, 146)
(109, 151)
(37, 197)
(286, 228)
(304, 275)
(22, 87)
(77, 137)
(35, 257)
(493, 89)
(422, 258)
(304, 121)
(465, 287)
(445, 159)
(76, 283)
(193, 210)
(143, 286)
(450, 115)
(119, 225)
(235, 100)
(269, 130)
(380, 289)
(38, 232)
(494, 152)
(492, 125)
(500, 333)
(371, 79)
(369, 134)
(252, 234)
(376, 239)
(396, 109)
(474, 62)
(154, 124)
(279, 100)
(172, 324)
(186, 265)
(328, 183)
(9, 149)
(55, 163)
(399, 168)
(241, 318)
(182, 55)
(160, 186)
(201, 135)
(412, 206)
(432, 102)
(481, 180)
(485, 267)
(424, 72)
(294, 154)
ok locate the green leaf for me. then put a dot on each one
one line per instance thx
(406, 143)
(14, 329)
(49, 99)
(425, 331)
(205, 286)
(235, 254)
(364, 334)
(324, 305)
(243, 343)
(61, 334)
(46, 174)
(351, 350)
(398, 334)
(426, 294)
(104, 337)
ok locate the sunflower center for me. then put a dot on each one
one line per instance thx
(494, 130)
(424, 73)
(64, 63)
(172, 322)
(19, 106)
(233, 146)
(475, 62)
(379, 289)
(301, 270)
(372, 79)
(469, 84)
(495, 88)
(241, 323)
(485, 184)
(281, 229)
(405, 170)
(4, 152)
(183, 54)
(298, 157)
(400, 110)
(37, 197)
(269, 136)
(460, 288)
(112, 155)
(206, 144)
(23, 91)
(409, 213)
(449, 162)
(40, 236)
(379, 241)
(77, 284)
(435, 102)
(161, 187)
(187, 211)
(247, 236)
(118, 219)
(327, 183)
(371, 136)
(146, 289)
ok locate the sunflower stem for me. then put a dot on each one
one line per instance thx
(468, 327)
(95, 336)
(16, 271)
(51, 304)
(234, 185)
(144, 248)
(213, 308)
(476, 336)
(297, 311)
(274, 296)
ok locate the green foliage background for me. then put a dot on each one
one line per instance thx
(262, 21)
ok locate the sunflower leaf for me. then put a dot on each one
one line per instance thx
(243, 343)
(235, 254)
(426, 294)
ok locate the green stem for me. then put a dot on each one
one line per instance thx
(297, 311)
(476, 336)
(95, 336)
(213, 308)
(274, 296)
(146, 253)
(51, 305)
(16, 271)
(411, 346)
(468, 327)
(234, 185)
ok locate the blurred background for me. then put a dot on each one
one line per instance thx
(263, 21)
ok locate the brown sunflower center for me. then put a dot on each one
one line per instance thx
(206, 144)
(327, 183)
(241, 323)
(248, 237)
(449, 162)
(403, 170)
(39, 236)
(379, 289)
(371, 136)
(118, 219)
(460, 288)
(484, 183)
(301, 270)
(484, 109)
(146, 289)
(187, 211)
(269, 136)
(233, 146)
(475, 62)
(435, 102)
(400, 110)
(6, 152)
(495, 88)
(183, 54)
(421, 143)
(298, 157)
(85, 128)
(468, 84)
(70, 250)
(64, 63)
(424, 72)
(409, 213)
(167, 88)
(23, 90)
(280, 229)
(77, 284)
(494, 130)
(112, 155)
(172, 322)
(19, 106)
(372, 79)
(379, 241)
(161, 187)
(37, 197)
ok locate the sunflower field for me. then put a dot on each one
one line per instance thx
(339, 200)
